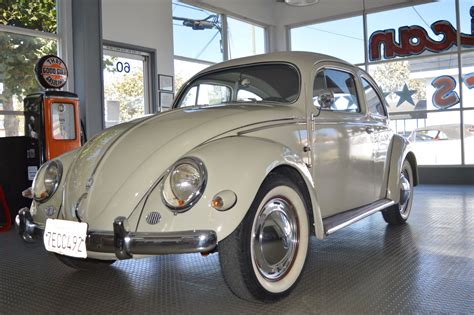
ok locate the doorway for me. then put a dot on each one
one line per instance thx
(128, 73)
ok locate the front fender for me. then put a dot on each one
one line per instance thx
(54, 204)
(400, 151)
(239, 164)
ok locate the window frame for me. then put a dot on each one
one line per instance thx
(244, 20)
(375, 87)
(357, 85)
(187, 86)
(63, 40)
(149, 71)
(224, 14)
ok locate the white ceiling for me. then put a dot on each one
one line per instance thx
(271, 12)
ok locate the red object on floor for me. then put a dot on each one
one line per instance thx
(6, 210)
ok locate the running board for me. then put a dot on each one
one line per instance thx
(338, 221)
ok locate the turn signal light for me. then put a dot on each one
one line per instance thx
(224, 200)
(27, 193)
(217, 202)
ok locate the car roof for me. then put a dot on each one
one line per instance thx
(301, 59)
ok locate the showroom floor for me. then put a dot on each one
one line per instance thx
(425, 266)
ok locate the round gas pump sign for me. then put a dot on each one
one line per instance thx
(51, 72)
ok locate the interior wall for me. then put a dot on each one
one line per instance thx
(254, 10)
(146, 23)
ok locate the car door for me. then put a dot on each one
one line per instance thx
(341, 146)
(377, 120)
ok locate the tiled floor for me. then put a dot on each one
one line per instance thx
(425, 266)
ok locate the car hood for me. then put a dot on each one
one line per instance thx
(114, 170)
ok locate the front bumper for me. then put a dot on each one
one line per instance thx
(123, 243)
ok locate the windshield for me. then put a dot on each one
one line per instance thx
(250, 84)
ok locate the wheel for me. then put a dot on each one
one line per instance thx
(264, 257)
(84, 264)
(398, 214)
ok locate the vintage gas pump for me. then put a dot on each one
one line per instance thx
(52, 124)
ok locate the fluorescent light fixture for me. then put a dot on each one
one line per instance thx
(301, 3)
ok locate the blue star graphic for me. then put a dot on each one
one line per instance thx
(405, 96)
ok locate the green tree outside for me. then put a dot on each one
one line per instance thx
(19, 53)
(129, 93)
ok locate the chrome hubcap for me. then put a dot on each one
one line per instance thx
(275, 239)
(405, 193)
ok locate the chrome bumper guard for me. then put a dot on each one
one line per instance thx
(124, 244)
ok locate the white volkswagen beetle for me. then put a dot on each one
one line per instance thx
(257, 155)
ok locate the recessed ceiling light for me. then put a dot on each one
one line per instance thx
(301, 3)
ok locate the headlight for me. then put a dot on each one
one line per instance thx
(184, 184)
(47, 180)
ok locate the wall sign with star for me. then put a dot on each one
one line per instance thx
(443, 94)
(405, 95)
(405, 99)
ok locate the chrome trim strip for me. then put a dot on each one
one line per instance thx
(387, 203)
(277, 123)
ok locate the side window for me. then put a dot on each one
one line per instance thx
(372, 99)
(340, 85)
(246, 96)
(213, 94)
(190, 98)
(207, 94)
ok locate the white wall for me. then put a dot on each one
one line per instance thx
(146, 23)
(255, 10)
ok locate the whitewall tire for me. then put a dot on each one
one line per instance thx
(265, 256)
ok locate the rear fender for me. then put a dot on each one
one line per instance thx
(400, 151)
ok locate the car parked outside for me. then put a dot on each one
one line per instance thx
(435, 144)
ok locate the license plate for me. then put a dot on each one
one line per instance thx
(66, 237)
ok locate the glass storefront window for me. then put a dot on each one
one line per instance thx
(466, 14)
(469, 136)
(39, 15)
(342, 38)
(11, 125)
(436, 138)
(419, 84)
(245, 39)
(126, 86)
(196, 33)
(413, 56)
(184, 70)
(468, 79)
(414, 25)
(18, 55)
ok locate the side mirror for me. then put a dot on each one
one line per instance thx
(326, 99)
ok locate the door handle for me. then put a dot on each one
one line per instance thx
(369, 130)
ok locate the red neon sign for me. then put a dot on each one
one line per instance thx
(414, 40)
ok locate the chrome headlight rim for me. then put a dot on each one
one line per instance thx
(197, 194)
(41, 172)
